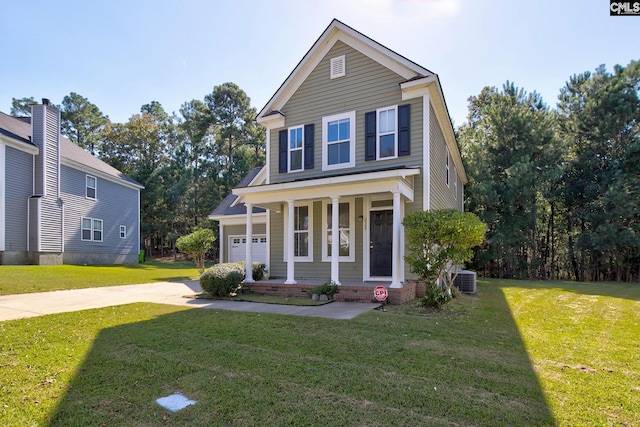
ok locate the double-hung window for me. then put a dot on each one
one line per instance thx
(346, 220)
(91, 230)
(338, 141)
(446, 169)
(123, 231)
(91, 187)
(302, 233)
(387, 146)
(296, 149)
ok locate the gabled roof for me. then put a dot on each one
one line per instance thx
(19, 128)
(230, 206)
(417, 77)
(338, 31)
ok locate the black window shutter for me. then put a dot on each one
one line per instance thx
(308, 146)
(404, 142)
(282, 151)
(370, 136)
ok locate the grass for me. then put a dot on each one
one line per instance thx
(22, 279)
(518, 354)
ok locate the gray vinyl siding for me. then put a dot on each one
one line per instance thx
(367, 86)
(239, 230)
(115, 205)
(441, 195)
(18, 189)
(37, 124)
(317, 268)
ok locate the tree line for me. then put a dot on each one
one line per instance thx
(187, 161)
(559, 189)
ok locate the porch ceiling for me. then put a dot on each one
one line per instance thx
(271, 195)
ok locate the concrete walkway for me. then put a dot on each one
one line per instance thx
(175, 293)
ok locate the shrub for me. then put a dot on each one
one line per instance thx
(328, 288)
(222, 279)
(257, 269)
(435, 296)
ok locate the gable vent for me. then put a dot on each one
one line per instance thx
(338, 68)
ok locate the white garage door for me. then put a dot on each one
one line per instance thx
(238, 248)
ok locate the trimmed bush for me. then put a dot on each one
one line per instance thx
(222, 279)
(257, 269)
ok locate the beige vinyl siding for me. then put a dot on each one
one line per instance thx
(441, 194)
(366, 87)
(317, 268)
(18, 189)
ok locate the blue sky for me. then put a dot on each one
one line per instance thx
(123, 54)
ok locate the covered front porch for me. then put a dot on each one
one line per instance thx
(369, 244)
(353, 291)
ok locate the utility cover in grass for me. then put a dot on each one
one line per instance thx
(175, 402)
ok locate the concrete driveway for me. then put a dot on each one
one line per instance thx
(175, 293)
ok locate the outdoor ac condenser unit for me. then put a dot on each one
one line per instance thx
(466, 281)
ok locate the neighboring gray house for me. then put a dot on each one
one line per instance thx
(58, 203)
(356, 137)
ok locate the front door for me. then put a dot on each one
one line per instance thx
(381, 243)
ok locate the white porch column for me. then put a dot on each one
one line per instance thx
(248, 276)
(396, 262)
(290, 243)
(335, 240)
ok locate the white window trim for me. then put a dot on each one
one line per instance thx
(446, 177)
(326, 229)
(455, 182)
(338, 67)
(395, 133)
(123, 231)
(309, 257)
(351, 115)
(93, 222)
(289, 150)
(95, 187)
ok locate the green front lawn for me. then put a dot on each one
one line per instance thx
(518, 354)
(22, 279)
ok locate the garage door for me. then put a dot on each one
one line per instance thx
(238, 248)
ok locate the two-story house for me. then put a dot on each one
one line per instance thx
(58, 203)
(357, 137)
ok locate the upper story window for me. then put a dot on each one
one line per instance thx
(446, 169)
(338, 141)
(91, 187)
(296, 149)
(123, 232)
(387, 133)
(455, 183)
(91, 230)
(387, 127)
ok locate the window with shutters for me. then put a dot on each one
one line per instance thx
(338, 67)
(296, 149)
(338, 141)
(386, 146)
(387, 133)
